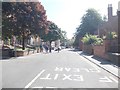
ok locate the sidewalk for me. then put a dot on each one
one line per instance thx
(104, 64)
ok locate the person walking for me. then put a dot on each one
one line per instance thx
(41, 48)
(46, 48)
(58, 45)
(58, 49)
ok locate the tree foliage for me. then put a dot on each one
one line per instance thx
(54, 32)
(23, 19)
(89, 24)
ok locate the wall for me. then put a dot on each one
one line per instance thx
(100, 51)
(88, 49)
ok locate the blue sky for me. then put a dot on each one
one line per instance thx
(67, 13)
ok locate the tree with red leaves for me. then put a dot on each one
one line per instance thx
(23, 19)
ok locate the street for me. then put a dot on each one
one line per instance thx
(66, 69)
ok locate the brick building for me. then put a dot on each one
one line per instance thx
(111, 25)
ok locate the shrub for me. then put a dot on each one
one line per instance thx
(110, 35)
(92, 39)
(89, 39)
(99, 41)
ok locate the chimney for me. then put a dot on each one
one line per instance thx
(109, 11)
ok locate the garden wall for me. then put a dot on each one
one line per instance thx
(100, 51)
(87, 49)
(24, 52)
(109, 51)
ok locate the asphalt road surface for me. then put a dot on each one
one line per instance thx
(66, 69)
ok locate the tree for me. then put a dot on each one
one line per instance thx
(89, 24)
(63, 37)
(54, 33)
(23, 19)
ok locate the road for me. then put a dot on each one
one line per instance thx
(66, 69)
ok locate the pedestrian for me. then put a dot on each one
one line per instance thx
(46, 48)
(41, 48)
(58, 49)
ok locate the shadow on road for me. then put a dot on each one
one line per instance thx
(101, 60)
(6, 58)
(74, 50)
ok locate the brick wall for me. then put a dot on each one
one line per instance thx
(103, 50)
(100, 51)
(88, 49)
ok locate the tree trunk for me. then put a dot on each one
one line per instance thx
(50, 46)
(23, 42)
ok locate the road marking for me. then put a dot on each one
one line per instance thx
(58, 69)
(79, 78)
(61, 69)
(105, 79)
(50, 87)
(47, 77)
(67, 69)
(27, 86)
(67, 77)
(113, 79)
(56, 76)
(94, 70)
(37, 87)
(44, 87)
(76, 70)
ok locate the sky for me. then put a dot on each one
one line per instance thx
(67, 14)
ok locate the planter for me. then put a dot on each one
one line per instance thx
(99, 50)
(88, 49)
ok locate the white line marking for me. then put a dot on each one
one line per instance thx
(78, 78)
(56, 76)
(37, 87)
(113, 79)
(105, 79)
(47, 77)
(67, 77)
(58, 69)
(51, 87)
(27, 86)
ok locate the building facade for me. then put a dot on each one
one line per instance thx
(111, 25)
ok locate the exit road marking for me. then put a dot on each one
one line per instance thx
(74, 75)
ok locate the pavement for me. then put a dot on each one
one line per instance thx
(104, 64)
